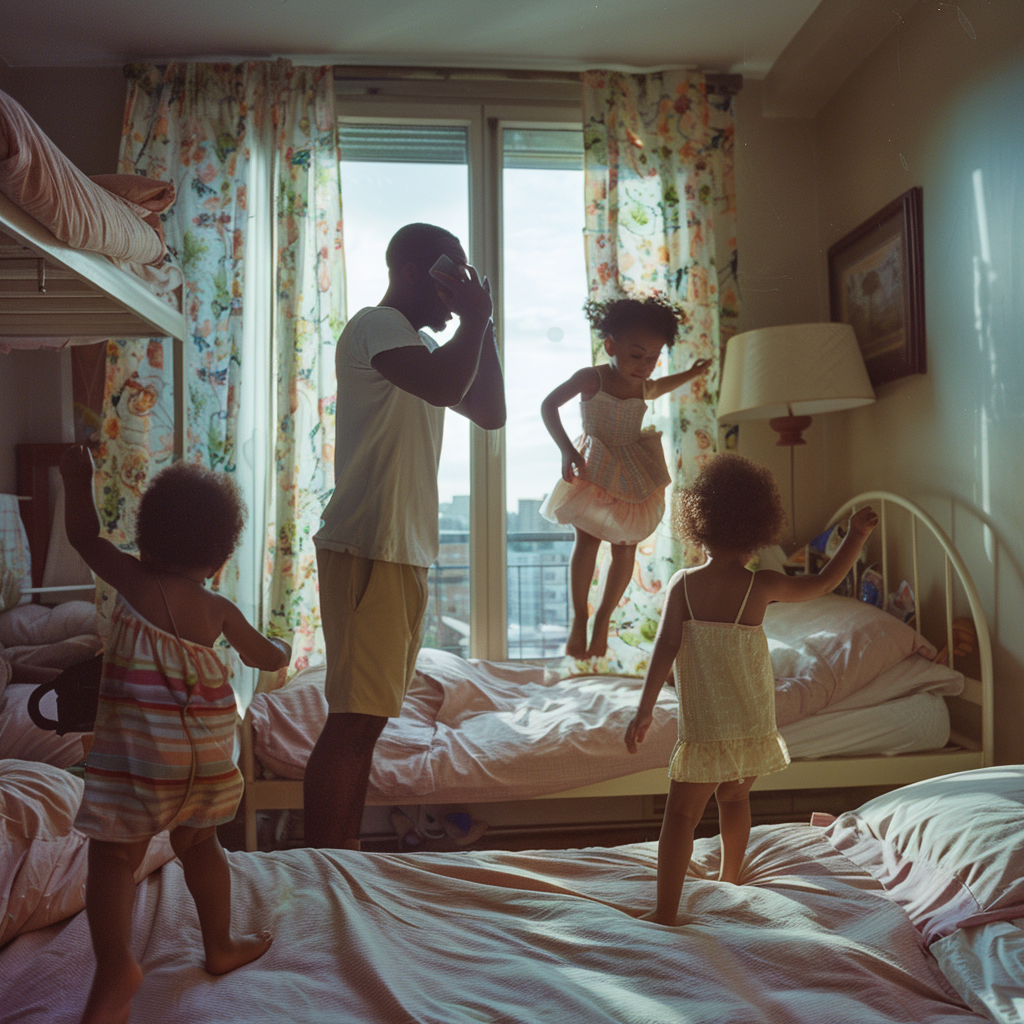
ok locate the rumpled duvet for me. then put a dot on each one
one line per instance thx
(515, 937)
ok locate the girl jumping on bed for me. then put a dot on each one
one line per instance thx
(162, 754)
(614, 476)
(711, 633)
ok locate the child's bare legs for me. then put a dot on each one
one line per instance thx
(109, 897)
(208, 878)
(581, 573)
(683, 811)
(619, 574)
(734, 824)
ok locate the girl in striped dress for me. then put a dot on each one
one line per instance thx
(614, 476)
(161, 756)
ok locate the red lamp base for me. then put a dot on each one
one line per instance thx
(790, 429)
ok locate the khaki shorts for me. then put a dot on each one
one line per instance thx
(372, 615)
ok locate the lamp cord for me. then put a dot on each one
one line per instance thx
(792, 495)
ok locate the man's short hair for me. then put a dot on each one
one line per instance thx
(418, 243)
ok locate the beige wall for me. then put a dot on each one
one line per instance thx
(939, 104)
(81, 109)
(779, 277)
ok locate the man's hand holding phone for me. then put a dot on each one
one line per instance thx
(462, 289)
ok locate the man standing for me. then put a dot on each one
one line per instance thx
(379, 532)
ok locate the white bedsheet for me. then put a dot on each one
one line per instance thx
(493, 936)
(473, 731)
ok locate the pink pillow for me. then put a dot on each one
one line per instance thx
(826, 649)
(949, 849)
(43, 860)
(149, 193)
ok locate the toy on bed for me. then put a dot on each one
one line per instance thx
(909, 908)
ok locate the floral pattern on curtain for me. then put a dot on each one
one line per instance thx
(661, 220)
(256, 230)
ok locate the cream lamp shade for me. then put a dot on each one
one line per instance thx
(791, 372)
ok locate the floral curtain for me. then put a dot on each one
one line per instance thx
(256, 232)
(661, 220)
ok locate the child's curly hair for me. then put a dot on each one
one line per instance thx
(616, 315)
(189, 518)
(734, 503)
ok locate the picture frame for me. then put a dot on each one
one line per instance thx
(876, 284)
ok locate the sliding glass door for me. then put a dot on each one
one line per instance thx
(509, 183)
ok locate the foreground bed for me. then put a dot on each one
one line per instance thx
(882, 916)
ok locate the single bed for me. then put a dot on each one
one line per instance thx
(81, 259)
(39, 640)
(909, 909)
(859, 697)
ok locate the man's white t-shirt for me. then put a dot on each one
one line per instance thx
(387, 450)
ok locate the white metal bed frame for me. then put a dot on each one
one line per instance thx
(971, 739)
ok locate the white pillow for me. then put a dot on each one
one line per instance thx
(35, 624)
(985, 964)
(947, 849)
(825, 650)
(43, 859)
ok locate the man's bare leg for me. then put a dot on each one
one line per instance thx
(336, 779)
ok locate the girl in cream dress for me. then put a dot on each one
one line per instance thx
(711, 634)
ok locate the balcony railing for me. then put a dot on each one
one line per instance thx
(539, 596)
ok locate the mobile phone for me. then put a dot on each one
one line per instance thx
(445, 266)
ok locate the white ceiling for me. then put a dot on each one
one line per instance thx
(738, 36)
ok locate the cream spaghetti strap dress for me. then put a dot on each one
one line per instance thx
(726, 691)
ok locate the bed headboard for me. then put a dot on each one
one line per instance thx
(900, 549)
(33, 463)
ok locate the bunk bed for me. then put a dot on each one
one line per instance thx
(81, 259)
(465, 738)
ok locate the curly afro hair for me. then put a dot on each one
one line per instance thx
(617, 315)
(189, 518)
(733, 504)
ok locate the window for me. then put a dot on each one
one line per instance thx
(507, 178)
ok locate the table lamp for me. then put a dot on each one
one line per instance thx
(788, 374)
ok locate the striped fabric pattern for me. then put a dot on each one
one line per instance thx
(162, 754)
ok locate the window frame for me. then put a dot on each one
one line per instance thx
(518, 105)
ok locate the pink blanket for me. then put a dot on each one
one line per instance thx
(482, 936)
(476, 731)
(37, 176)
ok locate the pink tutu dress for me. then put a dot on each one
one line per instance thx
(620, 496)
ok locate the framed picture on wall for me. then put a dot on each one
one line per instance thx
(876, 284)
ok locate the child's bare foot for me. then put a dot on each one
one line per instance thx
(110, 998)
(665, 919)
(238, 953)
(576, 645)
(598, 640)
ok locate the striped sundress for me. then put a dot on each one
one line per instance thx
(164, 736)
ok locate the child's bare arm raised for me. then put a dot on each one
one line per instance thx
(777, 586)
(666, 646)
(82, 524)
(585, 382)
(655, 387)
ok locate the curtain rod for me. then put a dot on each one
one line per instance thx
(717, 82)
